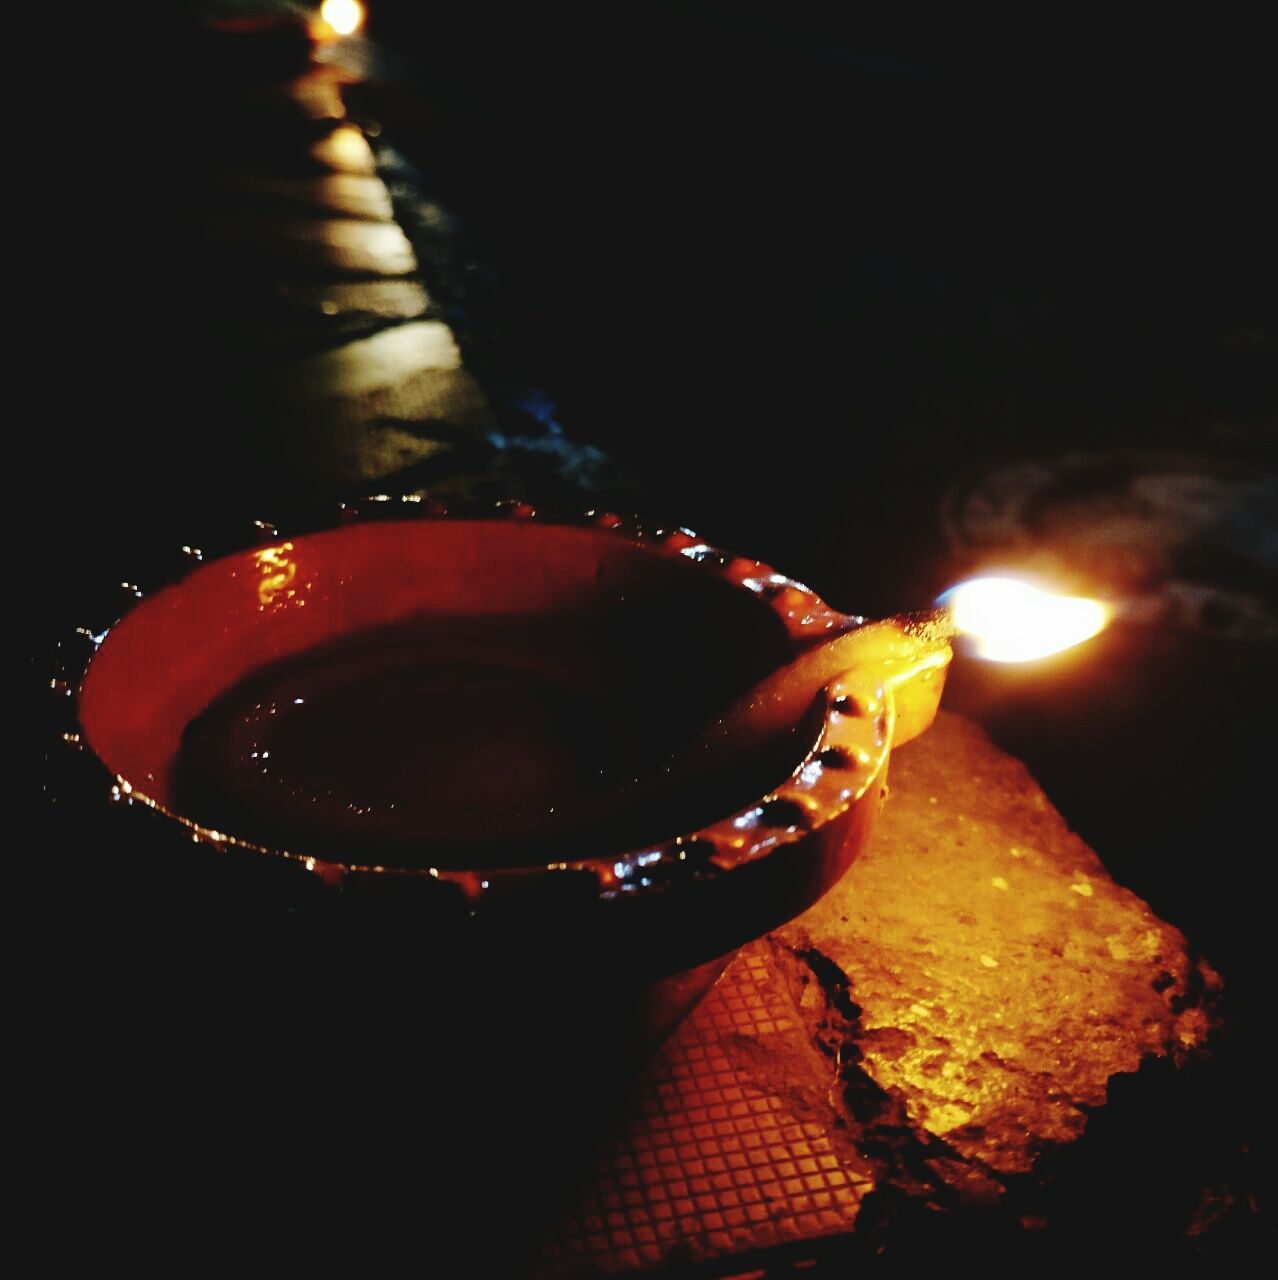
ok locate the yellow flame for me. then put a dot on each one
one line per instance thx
(1012, 621)
(345, 17)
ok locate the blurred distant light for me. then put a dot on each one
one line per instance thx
(345, 17)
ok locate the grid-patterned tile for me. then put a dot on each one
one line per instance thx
(711, 1160)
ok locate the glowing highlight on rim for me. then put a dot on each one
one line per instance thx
(1009, 620)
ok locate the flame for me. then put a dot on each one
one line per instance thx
(342, 17)
(1012, 621)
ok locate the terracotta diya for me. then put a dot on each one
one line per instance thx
(607, 754)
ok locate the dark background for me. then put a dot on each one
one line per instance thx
(798, 276)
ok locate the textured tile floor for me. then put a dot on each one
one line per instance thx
(712, 1158)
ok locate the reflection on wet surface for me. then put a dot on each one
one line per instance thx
(348, 245)
(317, 95)
(351, 375)
(335, 273)
(297, 319)
(387, 299)
(354, 195)
(386, 449)
(372, 364)
(410, 373)
(345, 150)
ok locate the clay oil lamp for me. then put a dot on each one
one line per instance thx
(594, 754)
